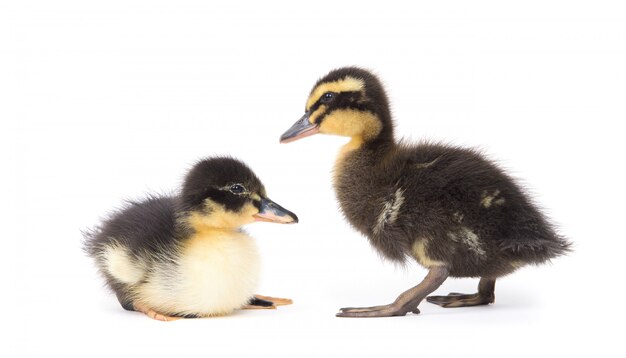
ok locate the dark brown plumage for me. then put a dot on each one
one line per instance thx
(447, 207)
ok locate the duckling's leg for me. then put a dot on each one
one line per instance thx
(259, 304)
(153, 314)
(275, 300)
(406, 302)
(266, 302)
(485, 296)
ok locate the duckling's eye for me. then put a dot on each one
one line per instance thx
(327, 97)
(237, 189)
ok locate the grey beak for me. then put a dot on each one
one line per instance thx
(302, 128)
(272, 212)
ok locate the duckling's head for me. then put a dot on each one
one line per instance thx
(349, 102)
(223, 192)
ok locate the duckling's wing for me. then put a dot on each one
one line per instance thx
(474, 188)
(126, 244)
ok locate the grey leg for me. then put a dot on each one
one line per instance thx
(406, 302)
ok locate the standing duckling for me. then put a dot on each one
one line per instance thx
(449, 208)
(186, 255)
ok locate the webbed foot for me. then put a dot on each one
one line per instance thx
(389, 310)
(484, 296)
(406, 302)
(265, 302)
(461, 300)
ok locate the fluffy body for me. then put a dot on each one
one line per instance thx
(449, 208)
(439, 204)
(150, 256)
(186, 255)
(443, 212)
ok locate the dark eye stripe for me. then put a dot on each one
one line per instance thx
(321, 117)
(342, 100)
(314, 107)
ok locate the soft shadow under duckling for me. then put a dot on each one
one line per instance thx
(453, 211)
(186, 255)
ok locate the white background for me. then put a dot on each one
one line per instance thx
(102, 101)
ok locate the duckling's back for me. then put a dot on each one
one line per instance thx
(440, 203)
(140, 226)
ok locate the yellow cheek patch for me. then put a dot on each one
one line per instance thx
(220, 218)
(351, 123)
(348, 84)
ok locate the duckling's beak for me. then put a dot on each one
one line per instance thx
(302, 128)
(274, 213)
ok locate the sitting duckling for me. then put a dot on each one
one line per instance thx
(453, 211)
(186, 255)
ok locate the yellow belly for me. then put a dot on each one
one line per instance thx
(217, 272)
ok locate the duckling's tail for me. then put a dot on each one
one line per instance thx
(90, 244)
(538, 250)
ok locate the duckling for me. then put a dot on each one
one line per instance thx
(186, 255)
(449, 208)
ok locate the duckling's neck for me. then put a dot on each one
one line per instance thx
(381, 140)
(381, 144)
(354, 144)
(204, 225)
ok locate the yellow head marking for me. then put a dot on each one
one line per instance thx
(348, 84)
(351, 123)
(317, 113)
(220, 218)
